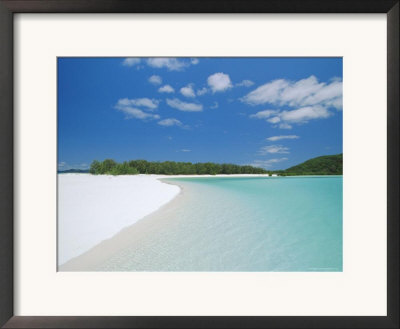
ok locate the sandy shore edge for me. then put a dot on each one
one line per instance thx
(92, 209)
(89, 260)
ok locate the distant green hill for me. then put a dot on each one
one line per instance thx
(323, 165)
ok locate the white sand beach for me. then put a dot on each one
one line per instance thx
(114, 240)
(92, 209)
(95, 208)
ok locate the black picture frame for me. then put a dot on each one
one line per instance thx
(10, 7)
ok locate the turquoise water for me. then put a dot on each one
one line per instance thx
(242, 224)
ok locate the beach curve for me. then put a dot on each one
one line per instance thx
(94, 208)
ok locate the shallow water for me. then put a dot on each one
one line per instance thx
(241, 224)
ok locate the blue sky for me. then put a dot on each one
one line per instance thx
(267, 112)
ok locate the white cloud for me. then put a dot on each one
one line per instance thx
(194, 61)
(267, 163)
(188, 91)
(62, 164)
(264, 114)
(274, 120)
(305, 114)
(214, 106)
(170, 122)
(273, 149)
(278, 138)
(245, 83)
(131, 61)
(166, 89)
(172, 64)
(305, 92)
(327, 95)
(285, 126)
(186, 150)
(298, 116)
(136, 113)
(150, 104)
(202, 91)
(129, 107)
(155, 80)
(267, 93)
(219, 82)
(183, 106)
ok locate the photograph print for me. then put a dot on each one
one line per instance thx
(200, 164)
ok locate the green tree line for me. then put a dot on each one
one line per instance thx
(133, 167)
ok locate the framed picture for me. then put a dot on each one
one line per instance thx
(199, 164)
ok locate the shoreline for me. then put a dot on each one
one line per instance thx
(75, 244)
(92, 209)
(95, 256)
